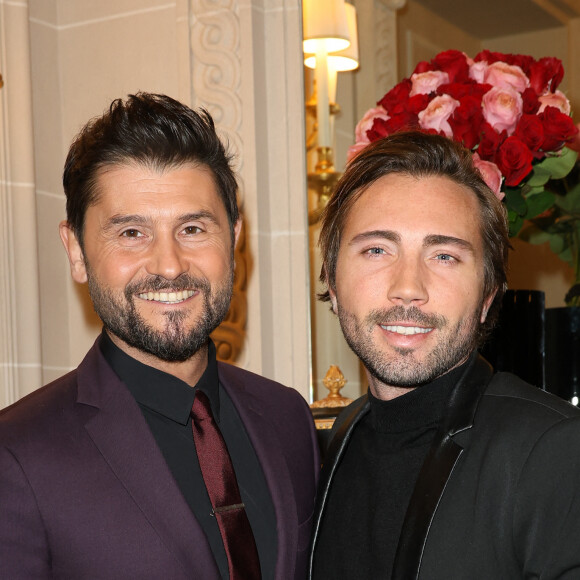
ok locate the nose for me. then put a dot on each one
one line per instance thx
(167, 258)
(408, 282)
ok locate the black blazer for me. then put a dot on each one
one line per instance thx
(498, 496)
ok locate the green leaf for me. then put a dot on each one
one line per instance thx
(570, 203)
(557, 244)
(539, 203)
(566, 255)
(540, 176)
(515, 223)
(515, 201)
(558, 166)
(534, 235)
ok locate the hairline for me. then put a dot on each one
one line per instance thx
(160, 168)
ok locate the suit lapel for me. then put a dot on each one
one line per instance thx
(268, 447)
(437, 468)
(338, 444)
(122, 436)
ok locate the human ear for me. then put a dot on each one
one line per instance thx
(74, 252)
(237, 231)
(331, 292)
(487, 305)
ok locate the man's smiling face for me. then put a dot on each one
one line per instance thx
(409, 279)
(158, 256)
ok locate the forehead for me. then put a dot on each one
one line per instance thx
(416, 207)
(123, 185)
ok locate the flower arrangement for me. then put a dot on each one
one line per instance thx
(507, 109)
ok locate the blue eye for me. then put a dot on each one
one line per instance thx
(375, 251)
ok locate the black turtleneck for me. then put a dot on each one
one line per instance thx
(374, 482)
(166, 403)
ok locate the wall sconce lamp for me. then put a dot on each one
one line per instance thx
(330, 45)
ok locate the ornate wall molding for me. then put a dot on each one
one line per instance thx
(386, 44)
(216, 73)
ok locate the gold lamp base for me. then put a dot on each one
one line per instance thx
(323, 182)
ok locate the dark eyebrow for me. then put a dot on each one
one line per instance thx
(430, 240)
(382, 234)
(438, 239)
(120, 220)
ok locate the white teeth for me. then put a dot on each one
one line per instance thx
(406, 330)
(167, 297)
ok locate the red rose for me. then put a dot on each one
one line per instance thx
(384, 127)
(404, 121)
(490, 57)
(514, 160)
(398, 95)
(490, 141)
(558, 128)
(530, 131)
(454, 63)
(466, 121)
(524, 61)
(422, 67)
(378, 129)
(546, 74)
(531, 104)
(417, 103)
(460, 90)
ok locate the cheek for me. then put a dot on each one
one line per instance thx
(115, 268)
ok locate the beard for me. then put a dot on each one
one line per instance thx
(176, 342)
(403, 369)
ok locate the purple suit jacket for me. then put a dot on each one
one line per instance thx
(85, 492)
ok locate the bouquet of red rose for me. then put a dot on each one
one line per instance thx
(507, 109)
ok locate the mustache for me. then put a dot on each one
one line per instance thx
(159, 283)
(402, 314)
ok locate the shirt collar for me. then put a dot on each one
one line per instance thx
(159, 391)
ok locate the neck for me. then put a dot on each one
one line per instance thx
(386, 392)
(188, 371)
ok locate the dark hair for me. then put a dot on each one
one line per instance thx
(419, 155)
(155, 131)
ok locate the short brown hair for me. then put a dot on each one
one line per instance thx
(419, 155)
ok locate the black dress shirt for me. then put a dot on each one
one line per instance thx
(166, 403)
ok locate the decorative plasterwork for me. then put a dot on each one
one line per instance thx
(386, 43)
(216, 73)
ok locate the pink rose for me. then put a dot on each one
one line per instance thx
(354, 150)
(477, 71)
(500, 74)
(557, 99)
(502, 108)
(367, 121)
(436, 115)
(427, 82)
(491, 175)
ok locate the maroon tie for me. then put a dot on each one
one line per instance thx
(220, 480)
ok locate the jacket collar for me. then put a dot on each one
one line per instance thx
(119, 431)
(267, 445)
(436, 470)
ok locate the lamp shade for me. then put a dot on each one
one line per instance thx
(325, 25)
(346, 59)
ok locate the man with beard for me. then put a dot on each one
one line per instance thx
(444, 471)
(153, 460)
